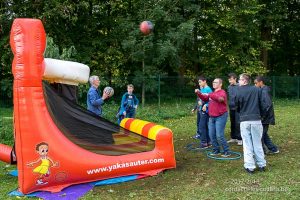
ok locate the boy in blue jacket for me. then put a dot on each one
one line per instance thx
(202, 114)
(129, 104)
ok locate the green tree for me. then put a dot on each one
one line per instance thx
(190, 37)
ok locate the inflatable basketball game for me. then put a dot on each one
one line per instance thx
(57, 142)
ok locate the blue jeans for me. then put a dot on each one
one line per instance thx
(203, 128)
(267, 140)
(216, 127)
(251, 132)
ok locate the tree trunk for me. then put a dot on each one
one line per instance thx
(265, 36)
(143, 84)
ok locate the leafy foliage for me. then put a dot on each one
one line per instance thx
(189, 37)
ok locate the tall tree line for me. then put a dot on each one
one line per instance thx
(190, 37)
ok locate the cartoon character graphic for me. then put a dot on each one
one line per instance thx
(46, 162)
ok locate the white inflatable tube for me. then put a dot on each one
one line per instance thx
(66, 72)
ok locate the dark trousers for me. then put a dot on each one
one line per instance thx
(203, 128)
(198, 122)
(235, 131)
(266, 140)
(129, 114)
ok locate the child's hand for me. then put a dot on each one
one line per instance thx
(124, 113)
(200, 103)
(29, 164)
(193, 111)
(55, 164)
(204, 108)
(197, 91)
(135, 106)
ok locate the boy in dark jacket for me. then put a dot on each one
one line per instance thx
(234, 115)
(250, 107)
(269, 117)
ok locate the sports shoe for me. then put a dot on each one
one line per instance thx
(203, 146)
(240, 142)
(226, 154)
(196, 137)
(40, 182)
(214, 153)
(274, 152)
(250, 171)
(262, 169)
(232, 140)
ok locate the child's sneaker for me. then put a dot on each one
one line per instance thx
(240, 142)
(226, 154)
(250, 171)
(262, 169)
(232, 140)
(274, 152)
(214, 153)
(203, 146)
(196, 137)
(40, 182)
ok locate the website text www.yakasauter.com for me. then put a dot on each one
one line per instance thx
(124, 165)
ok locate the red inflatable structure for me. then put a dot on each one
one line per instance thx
(49, 156)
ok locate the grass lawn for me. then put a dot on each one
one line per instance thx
(196, 176)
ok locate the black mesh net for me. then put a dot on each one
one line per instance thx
(90, 131)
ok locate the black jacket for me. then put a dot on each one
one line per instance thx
(268, 116)
(249, 103)
(232, 91)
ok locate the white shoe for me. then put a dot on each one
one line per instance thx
(40, 182)
(232, 140)
(239, 142)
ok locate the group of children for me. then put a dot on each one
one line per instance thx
(250, 111)
(247, 105)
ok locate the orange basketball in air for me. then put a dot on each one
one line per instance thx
(146, 27)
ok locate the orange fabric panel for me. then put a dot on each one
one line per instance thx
(27, 40)
(5, 153)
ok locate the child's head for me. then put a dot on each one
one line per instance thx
(202, 81)
(259, 81)
(245, 79)
(130, 88)
(42, 148)
(232, 78)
